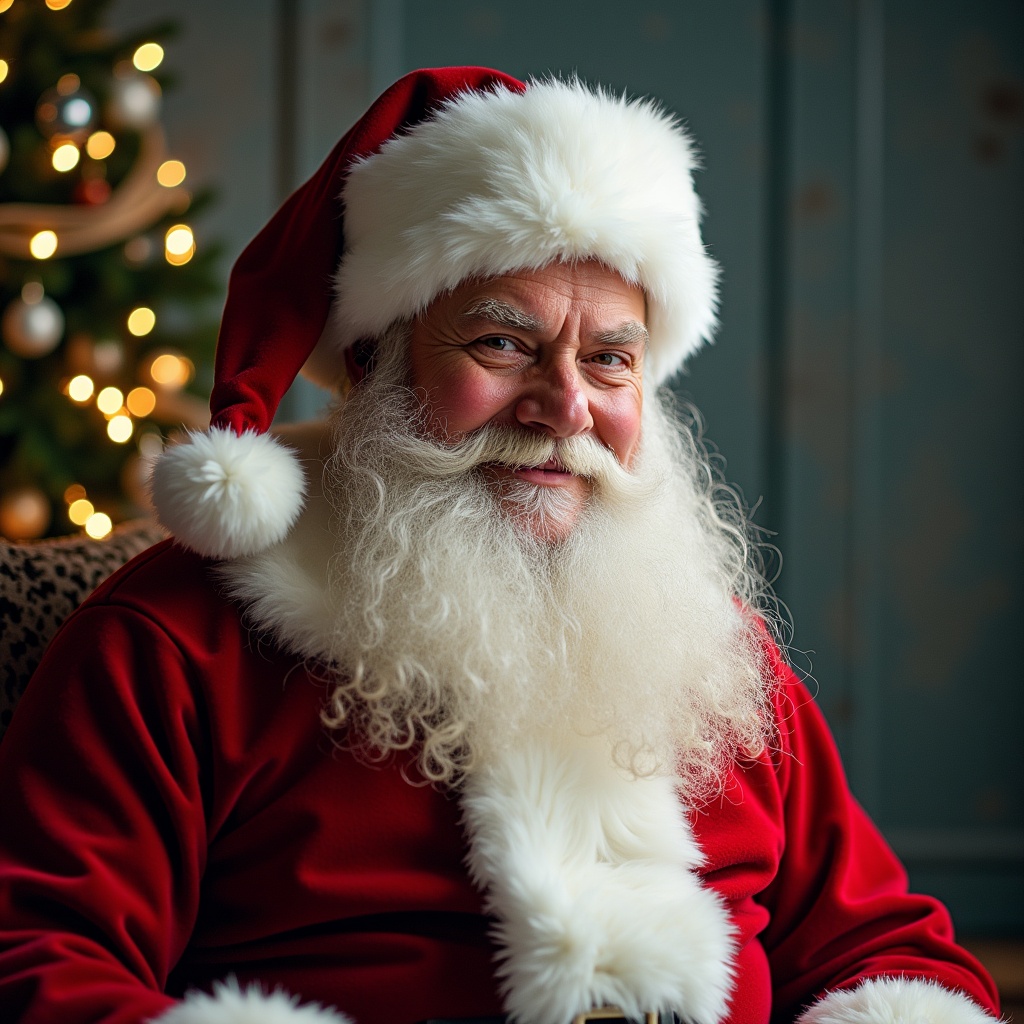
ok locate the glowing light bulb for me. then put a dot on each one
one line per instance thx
(80, 388)
(179, 245)
(110, 401)
(170, 173)
(170, 370)
(148, 56)
(65, 157)
(5, 5)
(141, 402)
(141, 321)
(98, 525)
(43, 244)
(120, 428)
(1, 386)
(73, 492)
(79, 510)
(58, 5)
(4, 67)
(32, 292)
(100, 145)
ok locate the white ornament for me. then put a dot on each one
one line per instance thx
(32, 329)
(134, 101)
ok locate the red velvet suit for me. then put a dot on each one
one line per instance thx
(173, 812)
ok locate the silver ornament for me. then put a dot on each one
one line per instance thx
(5, 149)
(32, 330)
(134, 101)
(66, 113)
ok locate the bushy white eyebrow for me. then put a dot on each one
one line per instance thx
(504, 314)
(629, 332)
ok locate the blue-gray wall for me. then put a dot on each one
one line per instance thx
(864, 180)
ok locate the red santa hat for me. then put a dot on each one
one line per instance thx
(453, 173)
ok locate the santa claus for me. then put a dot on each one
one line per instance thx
(466, 704)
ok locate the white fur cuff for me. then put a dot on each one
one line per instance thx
(896, 1001)
(230, 1004)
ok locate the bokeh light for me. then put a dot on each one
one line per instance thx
(100, 145)
(43, 244)
(141, 321)
(80, 388)
(98, 525)
(141, 402)
(148, 56)
(110, 401)
(65, 157)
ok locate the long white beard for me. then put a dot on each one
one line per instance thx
(460, 634)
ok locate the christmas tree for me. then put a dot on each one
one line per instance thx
(105, 316)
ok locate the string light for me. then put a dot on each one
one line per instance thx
(73, 492)
(4, 66)
(80, 509)
(58, 5)
(141, 321)
(1, 386)
(100, 145)
(43, 244)
(98, 525)
(148, 56)
(141, 402)
(170, 173)
(170, 370)
(5, 5)
(119, 428)
(110, 401)
(179, 245)
(32, 292)
(65, 157)
(80, 388)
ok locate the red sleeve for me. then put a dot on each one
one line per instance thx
(839, 904)
(104, 839)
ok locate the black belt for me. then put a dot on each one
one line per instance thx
(608, 1016)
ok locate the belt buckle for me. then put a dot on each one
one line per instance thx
(609, 1013)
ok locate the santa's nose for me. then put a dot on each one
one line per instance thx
(555, 401)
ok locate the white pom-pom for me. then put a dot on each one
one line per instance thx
(230, 1004)
(226, 495)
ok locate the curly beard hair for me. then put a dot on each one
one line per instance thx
(460, 631)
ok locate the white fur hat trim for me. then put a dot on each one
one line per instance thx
(499, 181)
(225, 495)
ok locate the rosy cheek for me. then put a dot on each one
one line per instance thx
(464, 402)
(618, 425)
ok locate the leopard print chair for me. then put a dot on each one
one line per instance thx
(41, 584)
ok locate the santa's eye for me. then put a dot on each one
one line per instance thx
(608, 359)
(497, 343)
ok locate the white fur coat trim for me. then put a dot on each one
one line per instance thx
(591, 876)
(231, 1004)
(498, 181)
(896, 1001)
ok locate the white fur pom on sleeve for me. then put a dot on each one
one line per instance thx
(896, 1001)
(231, 1004)
(226, 495)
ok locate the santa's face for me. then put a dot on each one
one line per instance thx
(558, 351)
